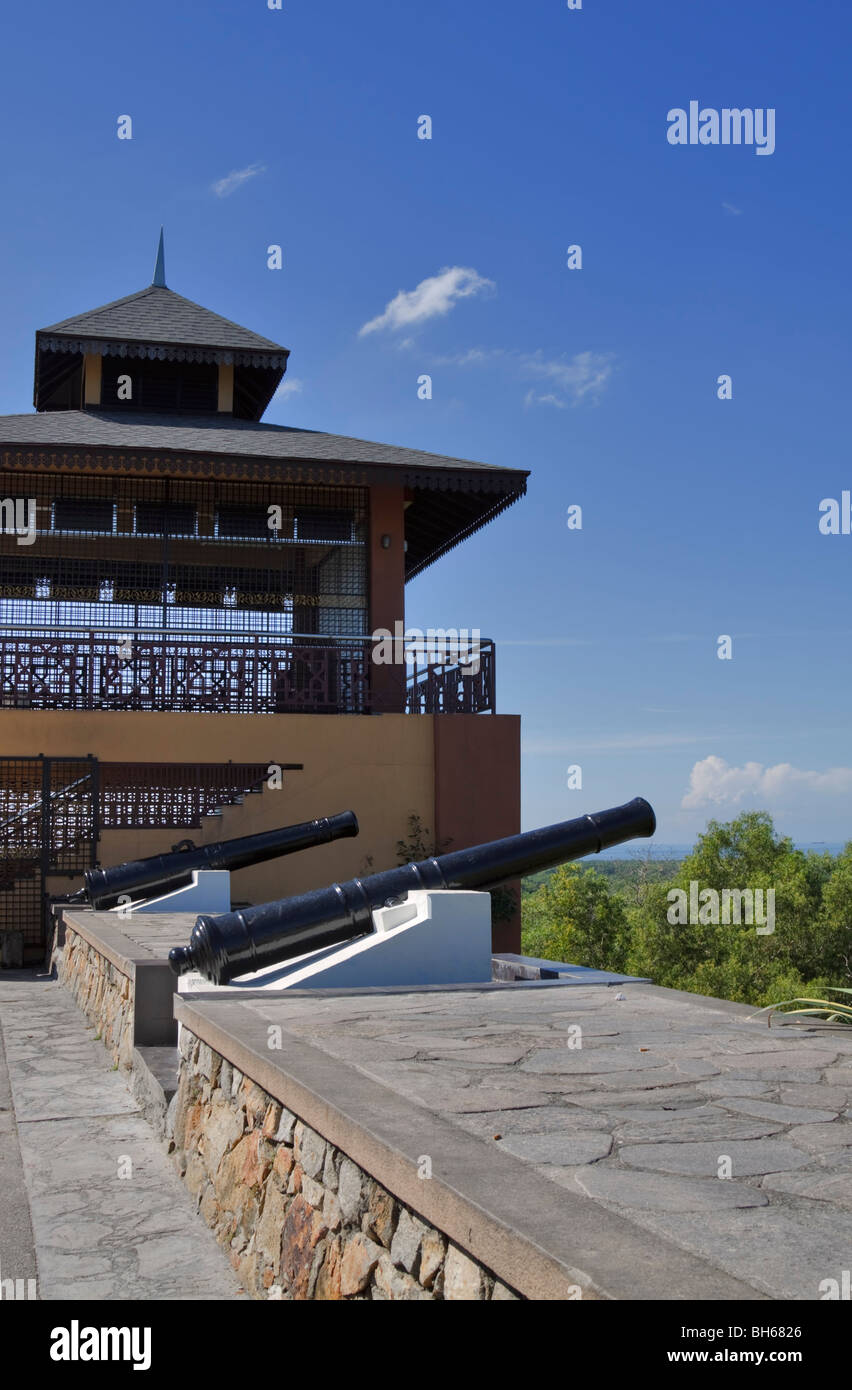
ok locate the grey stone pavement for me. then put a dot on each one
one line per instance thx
(731, 1140)
(69, 1126)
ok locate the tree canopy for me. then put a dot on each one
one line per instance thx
(626, 924)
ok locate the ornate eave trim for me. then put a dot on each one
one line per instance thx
(335, 473)
(462, 535)
(165, 352)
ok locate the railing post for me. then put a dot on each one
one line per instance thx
(90, 695)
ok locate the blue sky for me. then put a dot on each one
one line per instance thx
(700, 516)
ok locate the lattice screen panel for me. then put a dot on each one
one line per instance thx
(193, 554)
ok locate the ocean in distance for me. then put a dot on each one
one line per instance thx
(641, 849)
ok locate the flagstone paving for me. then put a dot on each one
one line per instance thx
(89, 1202)
(686, 1116)
(700, 1129)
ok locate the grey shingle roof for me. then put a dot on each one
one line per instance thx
(158, 315)
(209, 435)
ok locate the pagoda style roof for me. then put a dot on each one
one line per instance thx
(77, 428)
(448, 498)
(157, 322)
(211, 435)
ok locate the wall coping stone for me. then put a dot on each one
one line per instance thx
(121, 946)
(494, 1206)
(153, 983)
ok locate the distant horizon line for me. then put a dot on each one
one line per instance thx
(680, 851)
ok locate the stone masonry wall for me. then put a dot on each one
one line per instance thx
(102, 993)
(298, 1218)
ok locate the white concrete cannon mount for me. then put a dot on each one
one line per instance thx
(434, 937)
(209, 891)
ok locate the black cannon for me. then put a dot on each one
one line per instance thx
(239, 942)
(165, 873)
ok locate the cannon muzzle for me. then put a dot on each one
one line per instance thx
(165, 873)
(239, 942)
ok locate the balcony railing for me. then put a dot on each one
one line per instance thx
(238, 673)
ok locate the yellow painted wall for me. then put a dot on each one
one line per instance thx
(380, 767)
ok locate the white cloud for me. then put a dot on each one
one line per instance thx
(290, 386)
(531, 398)
(713, 782)
(237, 177)
(433, 298)
(735, 212)
(572, 380)
(471, 357)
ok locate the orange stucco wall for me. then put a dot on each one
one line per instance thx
(459, 773)
(381, 768)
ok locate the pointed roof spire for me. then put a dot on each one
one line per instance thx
(160, 268)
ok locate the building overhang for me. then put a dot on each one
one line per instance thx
(445, 504)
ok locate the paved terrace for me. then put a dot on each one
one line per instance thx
(598, 1163)
(68, 1127)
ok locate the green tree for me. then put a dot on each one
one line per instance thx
(836, 919)
(621, 921)
(574, 918)
(733, 960)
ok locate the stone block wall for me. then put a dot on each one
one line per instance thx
(298, 1218)
(101, 991)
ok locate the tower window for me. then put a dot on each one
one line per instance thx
(190, 388)
(84, 514)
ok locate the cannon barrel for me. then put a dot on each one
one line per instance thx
(164, 873)
(239, 942)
